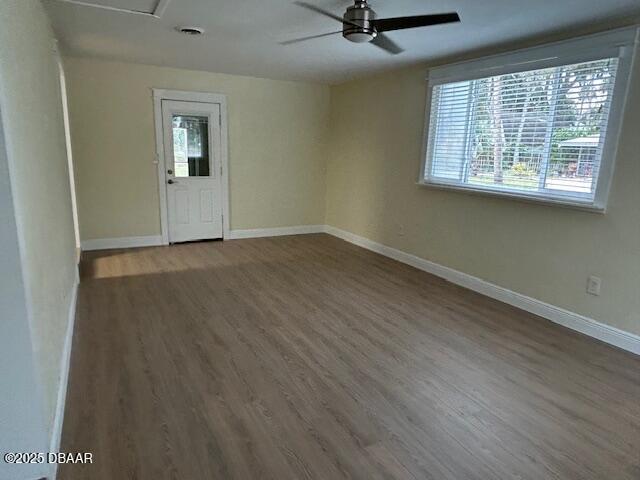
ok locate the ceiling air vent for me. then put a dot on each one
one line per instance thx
(154, 8)
(190, 30)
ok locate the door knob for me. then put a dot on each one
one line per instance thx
(171, 182)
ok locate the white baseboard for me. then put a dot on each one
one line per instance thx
(588, 326)
(155, 240)
(65, 362)
(123, 242)
(274, 232)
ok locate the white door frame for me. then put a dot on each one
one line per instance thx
(201, 97)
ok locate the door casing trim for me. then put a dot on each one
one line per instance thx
(159, 95)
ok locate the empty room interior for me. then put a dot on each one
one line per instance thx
(332, 239)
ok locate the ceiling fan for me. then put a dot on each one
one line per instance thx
(360, 25)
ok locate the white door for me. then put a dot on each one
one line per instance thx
(192, 158)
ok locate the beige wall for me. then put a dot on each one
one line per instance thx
(277, 133)
(541, 251)
(30, 100)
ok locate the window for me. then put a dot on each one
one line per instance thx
(540, 123)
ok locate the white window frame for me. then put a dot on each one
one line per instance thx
(620, 43)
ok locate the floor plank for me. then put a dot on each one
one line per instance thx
(306, 357)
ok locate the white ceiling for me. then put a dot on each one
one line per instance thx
(242, 35)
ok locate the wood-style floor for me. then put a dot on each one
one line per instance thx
(309, 358)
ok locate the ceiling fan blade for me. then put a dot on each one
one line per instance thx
(313, 8)
(318, 10)
(385, 43)
(310, 37)
(399, 23)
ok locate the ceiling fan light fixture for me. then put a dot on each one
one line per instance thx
(359, 36)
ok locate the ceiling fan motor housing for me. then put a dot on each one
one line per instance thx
(362, 15)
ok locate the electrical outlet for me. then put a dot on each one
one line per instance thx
(401, 230)
(593, 285)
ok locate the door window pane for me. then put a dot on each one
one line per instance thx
(191, 146)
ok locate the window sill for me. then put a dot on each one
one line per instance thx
(508, 195)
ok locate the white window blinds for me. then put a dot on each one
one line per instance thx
(538, 132)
